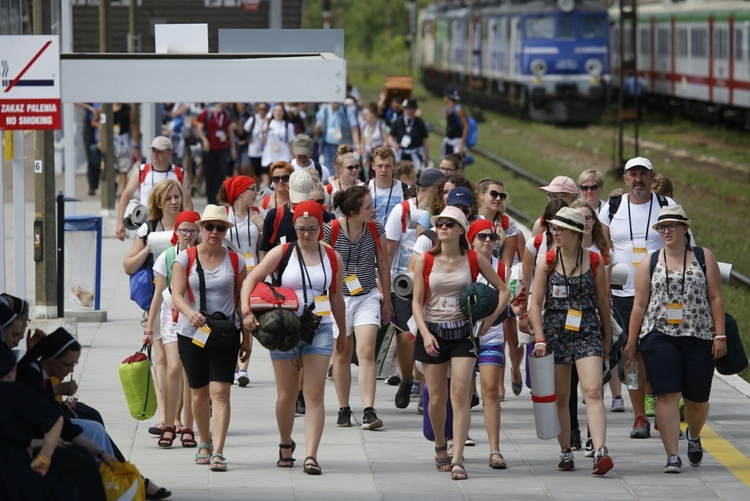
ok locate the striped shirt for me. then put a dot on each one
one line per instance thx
(359, 258)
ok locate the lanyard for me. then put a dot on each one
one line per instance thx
(565, 275)
(387, 204)
(408, 126)
(237, 231)
(351, 244)
(304, 271)
(666, 272)
(154, 171)
(648, 221)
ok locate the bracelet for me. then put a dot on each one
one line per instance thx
(522, 316)
(148, 333)
(541, 341)
(45, 461)
(720, 338)
(246, 314)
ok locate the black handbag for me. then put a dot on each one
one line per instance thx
(224, 333)
(309, 321)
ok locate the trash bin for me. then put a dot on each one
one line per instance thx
(83, 262)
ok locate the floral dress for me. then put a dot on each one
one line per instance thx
(569, 346)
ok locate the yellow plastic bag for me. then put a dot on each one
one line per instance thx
(122, 482)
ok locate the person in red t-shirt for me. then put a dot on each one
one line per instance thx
(216, 132)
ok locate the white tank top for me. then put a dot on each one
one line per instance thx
(319, 275)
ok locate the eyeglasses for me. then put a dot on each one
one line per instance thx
(211, 227)
(589, 187)
(187, 231)
(494, 194)
(353, 167)
(278, 179)
(447, 171)
(311, 231)
(252, 188)
(320, 201)
(671, 227)
(556, 229)
(445, 224)
(492, 237)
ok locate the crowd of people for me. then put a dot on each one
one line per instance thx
(336, 222)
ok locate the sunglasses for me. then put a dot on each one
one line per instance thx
(495, 194)
(492, 237)
(353, 167)
(211, 227)
(445, 224)
(187, 231)
(278, 179)
(589, 187)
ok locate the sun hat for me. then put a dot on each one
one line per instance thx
(429, 177)
(453, 213)
(639, 162)
(302, 145)
(561, 184)
(309, 208)
(161, 143)
(186, 216)
(477, 226)
(214, 213)
(234, 186)
(460, 196)
(675, 214)
(300, 186)
(570, 219)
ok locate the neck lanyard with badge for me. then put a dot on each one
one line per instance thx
(574, 317)
(639, 252)
(249, 256)
(406, 139)
(352, 281)
(674, 308)
(322, 302)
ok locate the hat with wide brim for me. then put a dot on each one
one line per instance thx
(561, 184)
(674, 214)
(214, 214)
(570, 219)
(453, 213)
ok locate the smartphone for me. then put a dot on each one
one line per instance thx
(477, 328)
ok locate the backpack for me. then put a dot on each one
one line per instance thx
(594, 260)
(142, 281)
(429, 262)
(170, 257)
(614, 204)
(277, 222)
(286, 254)
(473, 135)
(372, 226)
(192, 253)
(145, 168)
(405, 209)
(700, 256)
(538, 241)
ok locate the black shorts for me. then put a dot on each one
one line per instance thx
(459, 348)
(257, 168)
(204, 365)
(401, 311)
(624, 307)
(678, 365)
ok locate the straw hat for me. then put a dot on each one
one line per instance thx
(675, 214)
(570, 219)
(215, 214)
(453, 213)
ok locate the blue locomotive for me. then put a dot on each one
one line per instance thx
(547, 60)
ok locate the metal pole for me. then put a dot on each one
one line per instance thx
(60, 254)
(275, 15)
(2, 213)
(68, 109)
(19, 214)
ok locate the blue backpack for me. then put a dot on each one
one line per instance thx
(473, 135)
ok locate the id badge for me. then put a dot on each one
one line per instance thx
(249, 260)
(674, 313)
(560, 291)
(406, 141)
(116, 129)
(282, 239)
(638, 254)
(573, 320)
(336, 134)
(352, 283)
(322, 306)
(201, 336)
(221, 136)
(448, 304)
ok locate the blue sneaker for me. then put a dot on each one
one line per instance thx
(695, 449)
(674, 464)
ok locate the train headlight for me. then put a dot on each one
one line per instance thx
(594, 67)
(538, 67)
(566, 5)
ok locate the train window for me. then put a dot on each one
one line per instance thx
(721, 44)
(738, 47)
(662, 42)
(592, 27)
(682, 42)
(540, 27)
(698, 41)
(566, 27)
(644, 38)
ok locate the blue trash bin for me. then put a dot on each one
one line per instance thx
(83, 261)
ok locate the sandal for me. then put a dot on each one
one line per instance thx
(218, 462)
(157, 428)
(201, 458)
(442, 464)
(312, 468)
(458, 472)
(164, 440)
(286, 462)
(495, 463)
(188, 438)
(161, 492)
(178, 428)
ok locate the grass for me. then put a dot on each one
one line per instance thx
(715, 198)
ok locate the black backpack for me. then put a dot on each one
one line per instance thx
(614, 204)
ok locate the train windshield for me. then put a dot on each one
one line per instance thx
(590, 27)
(540, 27)
(566, 26)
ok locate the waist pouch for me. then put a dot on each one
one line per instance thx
(450, 331)
(224, 333)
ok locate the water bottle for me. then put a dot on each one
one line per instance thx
(633, 375)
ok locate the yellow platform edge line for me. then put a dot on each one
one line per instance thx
(725, 453)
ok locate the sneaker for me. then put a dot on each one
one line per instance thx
(330, 372)
(345, 417)
(650, 406)
(566, 461)
(589, 448)
(300, 405)
(403, 394)
(641, 428)
(236, 378)
(242, 379)
(420, 406)
(414, 395)
(474, 400)
(695, 450)
(370, 420)
(682, 409)
(602, 462)
(469, 442)
(674, 464)
(575, 439)
(618, 404)
(394, 380)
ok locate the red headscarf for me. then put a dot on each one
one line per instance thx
(186, 216)
(477, 226)
(234, 186)
(310, 208)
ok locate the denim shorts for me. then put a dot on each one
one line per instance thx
(322, 345)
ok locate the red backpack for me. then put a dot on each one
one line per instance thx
(286, 253)
(594, 259)
(191, 256)
(146, 168)
(372, 226)
(429, 262)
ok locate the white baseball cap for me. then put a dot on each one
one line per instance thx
(639, 162)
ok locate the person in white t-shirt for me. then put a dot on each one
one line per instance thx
(302, 149)
(254, 129)
(278, 134)
(386, 192)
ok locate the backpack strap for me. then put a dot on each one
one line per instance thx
(319, 169)
(192, 253)
(334, 267)
(473, 264)
(405, 209)
(654, 261)
(335, 230)
(432, 235)
(595, 260)
(143, 171)
(505, 222)
(265, 201)
(429, 262)
(538, 242)
(502, 270)
(276, 223)
(700, 256)
(286, 254)
(550, 257)
(179, 172)
(235, 260)
(614, 204)
(373, 227)
(170, 257)
(662, 200)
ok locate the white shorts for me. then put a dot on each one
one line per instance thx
(360, 310)
(167, 327)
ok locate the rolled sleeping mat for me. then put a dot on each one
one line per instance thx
(127, 219)
(725, 269)
(620, 274)
(543, 396)
(403, 284)
(139, 215)
(414, 217)
(159, 241)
